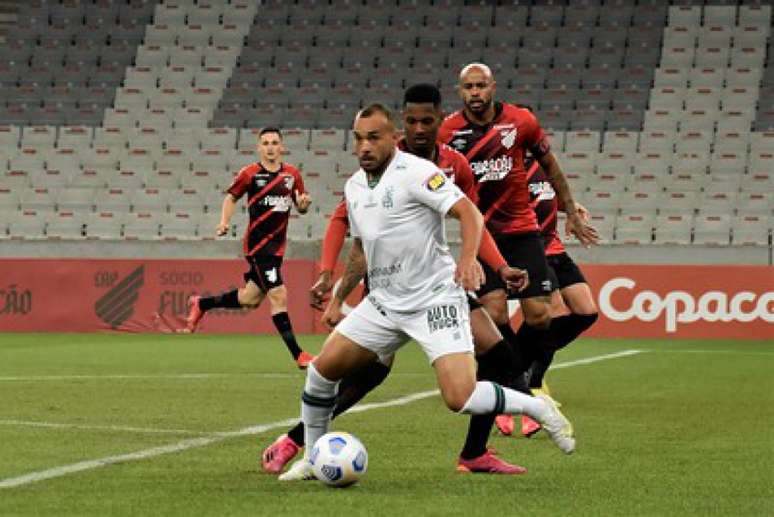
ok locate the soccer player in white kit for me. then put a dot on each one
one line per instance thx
(396, 204)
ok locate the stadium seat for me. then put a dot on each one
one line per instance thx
(673, 229)
(635, 228)
(28, 225)
(66, 225)
(142, 226)
(751, 230)
(712, 229)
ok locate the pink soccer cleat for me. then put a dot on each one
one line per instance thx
(195, 314)
(278, 454)
(303, 360)
(529, 426)
(488, 463)
(505, 424)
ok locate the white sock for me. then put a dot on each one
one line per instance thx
(317, 403)
(490, 397)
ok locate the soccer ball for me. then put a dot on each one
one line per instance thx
(338, 459)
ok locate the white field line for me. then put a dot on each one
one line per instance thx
(194, 443)
(727, 352)
(184, 376)
(88, 427)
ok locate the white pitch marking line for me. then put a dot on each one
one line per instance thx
(88, 427)
(187, 376)
(194, 443)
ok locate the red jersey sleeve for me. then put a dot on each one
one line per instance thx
(535, 139)
(333, 241)
(489, 253)
(241, 182)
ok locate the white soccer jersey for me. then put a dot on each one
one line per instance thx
(401, 224)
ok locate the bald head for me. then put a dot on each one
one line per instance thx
(477, 88)
(480, 67)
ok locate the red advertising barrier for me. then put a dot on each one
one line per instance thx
(731, 302)
(136, 295)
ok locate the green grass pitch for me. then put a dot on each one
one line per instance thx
(682, 428)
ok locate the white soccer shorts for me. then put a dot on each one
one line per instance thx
(442, 329)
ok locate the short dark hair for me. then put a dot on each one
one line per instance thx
(270, 129)
(376, 107)
(422, 93)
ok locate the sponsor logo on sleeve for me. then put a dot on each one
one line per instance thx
(436, 181)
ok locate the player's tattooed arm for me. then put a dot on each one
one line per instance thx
(575, 224)
(354, 271)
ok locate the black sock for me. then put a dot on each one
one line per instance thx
(565, 329)
(282, 322)
(297, 434)
(227, 300)
(351, 391)
(531, 341)
(539, 368)
(521, 358)
(492, 366)
(356, 386)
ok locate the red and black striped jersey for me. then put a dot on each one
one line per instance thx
(496, 154)
(545, 205)
(270, 196)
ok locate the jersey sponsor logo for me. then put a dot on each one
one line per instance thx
(260, 182)
(508, 137)
(541, 191)
(436, 181)
(279, 203)
(682, 307)
(442, 317)
(492, 170)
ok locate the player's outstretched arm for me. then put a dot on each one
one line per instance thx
(333, 241)
(575, 225)
(469, 273)
(353, 273)
(226, 211)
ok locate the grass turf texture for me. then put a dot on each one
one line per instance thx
(684, 428)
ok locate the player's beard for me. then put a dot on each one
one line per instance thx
(481, 108)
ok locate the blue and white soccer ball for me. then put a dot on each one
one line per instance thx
(339, 459)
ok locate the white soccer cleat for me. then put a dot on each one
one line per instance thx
(301, 470)
(557, 426)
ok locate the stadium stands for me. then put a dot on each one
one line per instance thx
(654, 110)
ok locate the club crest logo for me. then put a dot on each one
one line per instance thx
(117, 305)
(289, 182)
(387, 201)
(508, 137)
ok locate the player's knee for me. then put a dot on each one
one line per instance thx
(278, 297)
(497, 308)
(456, 399)
(248, 299)
(540, 318)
